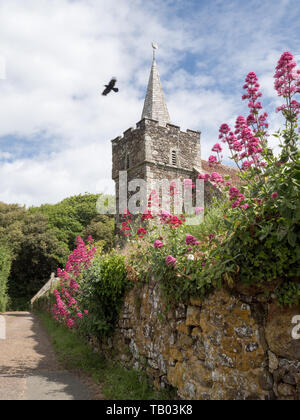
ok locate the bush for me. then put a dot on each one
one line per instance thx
(5, 264)
(102, 292)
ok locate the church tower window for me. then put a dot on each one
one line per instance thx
(127, 164)
(174, 157)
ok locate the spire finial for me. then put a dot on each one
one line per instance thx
(155, 47)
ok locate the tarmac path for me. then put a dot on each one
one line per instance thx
(29, 369)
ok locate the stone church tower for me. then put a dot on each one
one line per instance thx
(155, 149)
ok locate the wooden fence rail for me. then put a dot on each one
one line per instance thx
(48, 286)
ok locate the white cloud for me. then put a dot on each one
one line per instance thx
(59, 53)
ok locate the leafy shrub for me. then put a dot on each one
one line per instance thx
(102, 292)
(41, 238)
(5, 264)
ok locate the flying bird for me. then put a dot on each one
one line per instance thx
(110, 87)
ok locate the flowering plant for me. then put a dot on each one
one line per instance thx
(67, 307)
(263, 215)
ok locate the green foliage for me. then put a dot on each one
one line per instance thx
(76, 216)
(117, 383)
(101, 228)
(214, 220)
(41, 238)
(5, 264)
(11, 222)
(289, 294)
(39, 254)
(102, 292)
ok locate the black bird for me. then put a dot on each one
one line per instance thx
(110, 87)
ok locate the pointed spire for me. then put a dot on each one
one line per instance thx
(155, 106)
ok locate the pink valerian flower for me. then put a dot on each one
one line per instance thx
(287, 82)
(247, 164)
(238, 201)
(224, 129)
(286, 75)
(71, 323)
(158, 244)
(212, 160)
(66, 303)
(245, 206)
(248, 140)
(217, 148)
(233, 192)
(253, 93)
(171, 261)
(274, 195)
(205, 177)
(191, 240)
(217, 178)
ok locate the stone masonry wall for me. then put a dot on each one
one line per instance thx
(226, 347)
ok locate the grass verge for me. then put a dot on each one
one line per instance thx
(117, 382)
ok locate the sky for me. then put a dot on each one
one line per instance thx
(56, 55)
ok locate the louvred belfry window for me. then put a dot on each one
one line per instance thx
(174, 157)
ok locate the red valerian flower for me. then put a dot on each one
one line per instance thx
(141, 232)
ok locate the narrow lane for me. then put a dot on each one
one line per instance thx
(29, 369)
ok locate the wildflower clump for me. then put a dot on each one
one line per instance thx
(67, 308)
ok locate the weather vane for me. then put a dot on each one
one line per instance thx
(155, 47)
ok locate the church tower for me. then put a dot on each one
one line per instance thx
(155, 149)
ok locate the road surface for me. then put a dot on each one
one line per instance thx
(29, 369)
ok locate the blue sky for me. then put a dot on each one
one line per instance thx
(55, 127)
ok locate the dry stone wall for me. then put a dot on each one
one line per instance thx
(225, 347)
